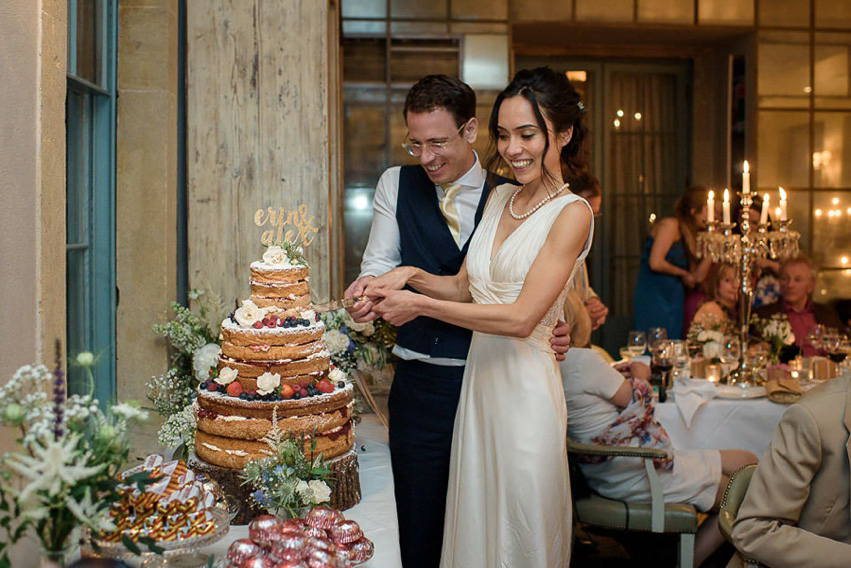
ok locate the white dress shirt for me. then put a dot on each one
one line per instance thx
(383, 251)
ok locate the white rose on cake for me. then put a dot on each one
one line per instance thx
(226, 376)
(248, 314)
(309, 315)
(336, 375)
(275, 255)
(321, 491)
(336, 341)
(267, 382)
(203, 360)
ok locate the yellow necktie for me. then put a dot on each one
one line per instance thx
(450, 212)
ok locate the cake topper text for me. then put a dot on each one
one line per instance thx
(298, 224)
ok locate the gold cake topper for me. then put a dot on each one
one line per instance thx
(294, 226)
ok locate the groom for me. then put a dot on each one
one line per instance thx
(424, 216)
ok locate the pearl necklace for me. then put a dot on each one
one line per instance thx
(536, 207)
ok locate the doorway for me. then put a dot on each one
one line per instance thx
(638, 115)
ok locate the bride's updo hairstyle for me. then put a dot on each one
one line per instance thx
(552, 95)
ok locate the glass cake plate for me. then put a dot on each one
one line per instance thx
(172, 550)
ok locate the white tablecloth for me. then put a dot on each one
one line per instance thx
(376, 513)
(722, 424)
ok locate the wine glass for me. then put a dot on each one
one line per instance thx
(636, 343)
(655, 335)
(680, 357)
(816, 335)
(832, 342)
(660, 364)
(731, 349)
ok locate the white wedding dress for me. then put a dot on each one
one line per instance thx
(508, 503)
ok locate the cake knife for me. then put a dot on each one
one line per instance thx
(336, 304)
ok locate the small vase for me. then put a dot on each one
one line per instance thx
(52, 559)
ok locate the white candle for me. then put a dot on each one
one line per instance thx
(746, 179)
(782, 204)
(766, 200)
(710, 207)
(725, 207)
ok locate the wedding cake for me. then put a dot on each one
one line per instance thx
(274, 371)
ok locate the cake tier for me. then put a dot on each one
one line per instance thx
(264, 273)
(236, 334)
(225, 405)
(308, 370)
(233, 453)
(253, 428)
(272, 352)
(266, 290)
(291, 305)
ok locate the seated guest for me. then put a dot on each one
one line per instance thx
(796, 511)
(722, 293)
(797, 280)
(607, 409)
(578, 319)
(586, 186)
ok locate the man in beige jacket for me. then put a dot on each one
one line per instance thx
(796, 511)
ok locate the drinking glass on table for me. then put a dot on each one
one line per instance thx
(731, 349)
(680, 358)
(834, 345)
(815, 336)
(654, 336)
(661, 364)
(636, 343)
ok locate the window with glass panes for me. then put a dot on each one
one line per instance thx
(90, 204)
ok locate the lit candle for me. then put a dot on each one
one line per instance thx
(746, 179)
(725, 207)
(763, 218)
(782, 204)
(710, 207)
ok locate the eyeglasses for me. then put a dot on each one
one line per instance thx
(416, 149)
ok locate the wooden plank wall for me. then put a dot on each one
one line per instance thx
(258, 135)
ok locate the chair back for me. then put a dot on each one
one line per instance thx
(733, 497)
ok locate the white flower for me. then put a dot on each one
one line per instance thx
(336, 375)
(336, 341)
(309, 315)
(204, 359)
(85, 358)
(267, 382)
(226, 376)
(303, 489)
(321, 491)
(248, 314)
(129, 411)
(711, 350)
(275, 255)
(53, 465)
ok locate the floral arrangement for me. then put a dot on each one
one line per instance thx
(63, 476)
(706, 337)
(285, 480)
(776, 331)
(193, 337)
(357, 346)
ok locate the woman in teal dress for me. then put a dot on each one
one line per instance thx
(669, 265)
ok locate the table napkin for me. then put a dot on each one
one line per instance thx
(691, 394)
(781, 387)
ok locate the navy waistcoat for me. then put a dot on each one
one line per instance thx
(427, 243)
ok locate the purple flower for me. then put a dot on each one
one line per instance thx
(58, 393)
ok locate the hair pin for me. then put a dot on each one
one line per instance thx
(581, 106)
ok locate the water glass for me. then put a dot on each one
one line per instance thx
(654, 336)
(680, 358)
(636, 343)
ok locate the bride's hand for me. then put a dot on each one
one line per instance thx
(392, 280)
(397, 306)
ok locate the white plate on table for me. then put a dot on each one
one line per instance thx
(734, 392)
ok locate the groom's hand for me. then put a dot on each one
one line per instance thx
(560, 341)
(362, 311)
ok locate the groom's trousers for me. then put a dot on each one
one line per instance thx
(422, 405)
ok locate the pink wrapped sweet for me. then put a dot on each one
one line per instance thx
(294, 524)
(345, 532)
(315, 532)
(321, 559)
(258, 561)
(264, 529)
(281, 548)
(361, 550)
(319, 543)
(323, 517)
(241, 550)
(291, 564)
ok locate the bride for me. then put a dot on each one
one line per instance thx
(508, 502)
